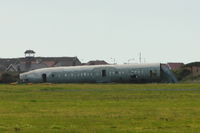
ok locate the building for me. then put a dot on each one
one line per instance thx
(175, 66)
(194, 68)
(30, 62)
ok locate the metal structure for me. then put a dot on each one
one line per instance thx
(127, 73)
(29, 53)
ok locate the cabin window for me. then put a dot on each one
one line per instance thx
(110, 73)
(52, 75)
(85, 74)
(103, 73)
(134, 76)
(151, 73)
(139, 72)
(155, 73)
(116, 72)
(142, 72)
(72, 74)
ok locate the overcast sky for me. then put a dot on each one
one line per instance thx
(163, 30)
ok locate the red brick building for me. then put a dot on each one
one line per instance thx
(175, 66)
(194, 68)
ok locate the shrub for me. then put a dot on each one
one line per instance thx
(8, 77)
(182, 73)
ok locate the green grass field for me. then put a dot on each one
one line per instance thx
(100, 108)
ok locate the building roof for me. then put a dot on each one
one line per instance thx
(27, 64)
(97, 62)
(29, 52)
(175, 66)
(11, 68)
(193, 64)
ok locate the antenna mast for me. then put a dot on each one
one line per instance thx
(140, 57)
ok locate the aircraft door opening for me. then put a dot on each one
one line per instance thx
(103, 73)
(44, 78)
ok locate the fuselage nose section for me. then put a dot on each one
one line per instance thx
(23, 78)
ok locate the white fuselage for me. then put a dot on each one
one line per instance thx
(95, 74)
